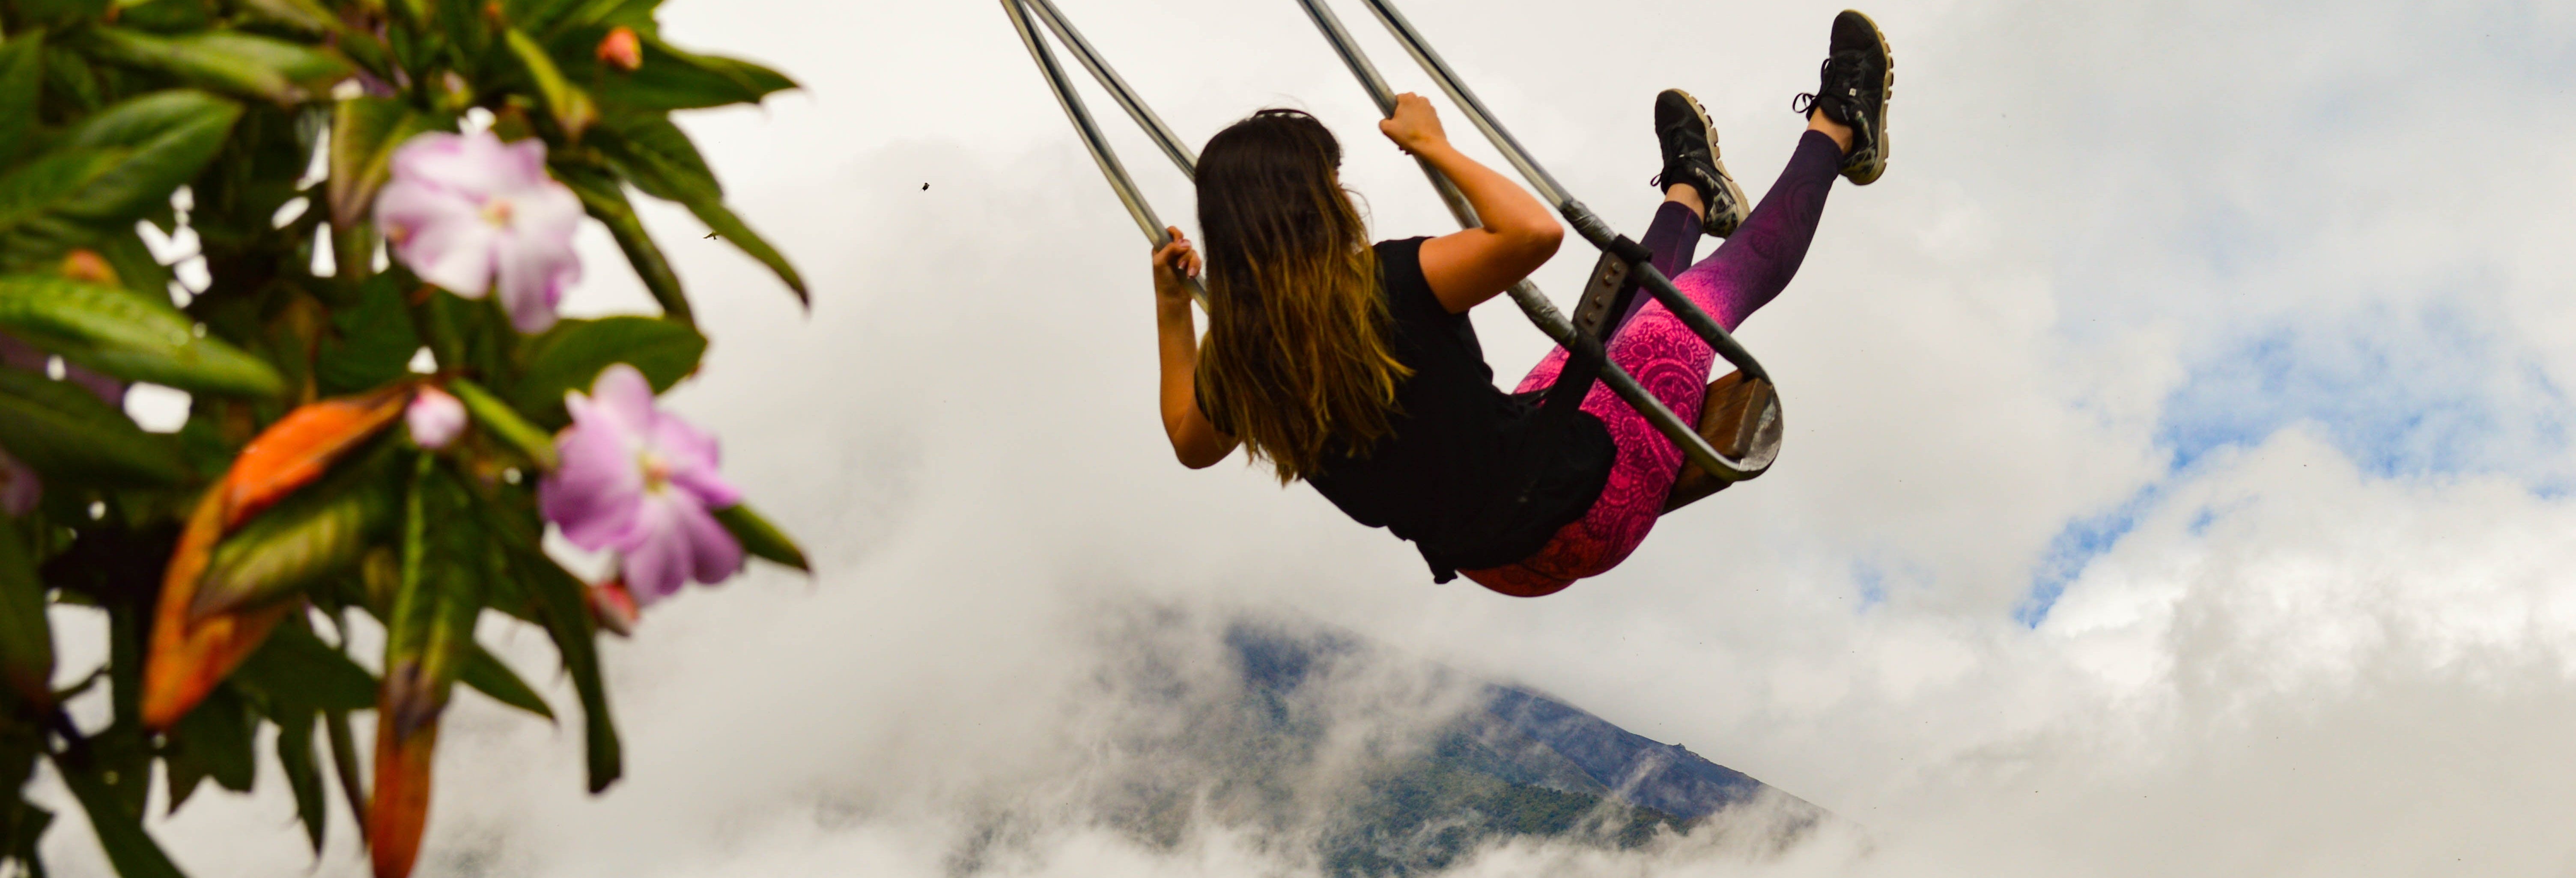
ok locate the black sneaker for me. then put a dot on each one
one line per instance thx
(1690, 156)
(1859, 76)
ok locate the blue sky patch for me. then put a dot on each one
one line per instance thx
(2075, 547)
(2404, 395)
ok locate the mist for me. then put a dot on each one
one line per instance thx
(2177, 476)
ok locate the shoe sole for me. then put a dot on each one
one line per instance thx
(1886, 93)
(1713, 224)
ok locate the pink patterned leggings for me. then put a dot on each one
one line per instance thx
(1745, 273)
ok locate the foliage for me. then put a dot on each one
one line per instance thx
(229, 560)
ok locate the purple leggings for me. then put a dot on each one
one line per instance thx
(1672, 363)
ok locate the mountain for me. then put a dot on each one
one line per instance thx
(1515, 763)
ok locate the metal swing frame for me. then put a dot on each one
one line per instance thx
(1748, 417)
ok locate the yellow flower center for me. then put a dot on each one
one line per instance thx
(497, 212)
(657, 472)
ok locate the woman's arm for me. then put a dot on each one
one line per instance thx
(1518, 236)
(1195, 440)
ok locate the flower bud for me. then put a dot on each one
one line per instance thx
(614, 607)
(87, 266)
(434, 417)
(622, 49)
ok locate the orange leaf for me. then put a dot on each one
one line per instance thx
(299, 447)
(400, 811)
(187, 660)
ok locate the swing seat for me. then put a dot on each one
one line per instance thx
(1741, 417)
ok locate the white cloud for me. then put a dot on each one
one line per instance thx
(2286, 658)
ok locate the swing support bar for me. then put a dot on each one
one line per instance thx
(1583, 348)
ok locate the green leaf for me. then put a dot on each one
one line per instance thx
(757, 81)
(61, 11)
(605, 198)
(136, 268)
(26, 638)
(303, 772)
(502, 421)
(659, 159)
(297, 670)
(364, 134)
(430, 634)
(117, 333)
(555, 16)
(759, 537)
(570, 356)
(39, 200)
(724, 224)
(226, 60)
(164, 16)
(571, 106)
(308, 16)
(561, 601)
(218, 732)
(73, 438)
(488, 675)
(22, 77)
(762, 80)
(120, 831)
(187, 773)
(70, 80)
(20, 831)
(344, 762)
(371, 340)
(113, 168)
(314, 535)
(673, 79)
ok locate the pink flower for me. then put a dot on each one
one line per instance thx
(19, 489)
(640, 482)
(462, 208)
(434, 417)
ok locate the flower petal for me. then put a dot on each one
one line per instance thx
(691, 456)
(621, 393)
(536, 256)
(470, 165)
(714, 555)
(522, 164)
(440, 235)
(594, 493)
(657, 560)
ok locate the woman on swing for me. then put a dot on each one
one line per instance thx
(1354, 367)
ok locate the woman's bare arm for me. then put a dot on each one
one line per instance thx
(1519, 235)
(1195, 440)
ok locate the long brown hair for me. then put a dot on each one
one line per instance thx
(1296, 362)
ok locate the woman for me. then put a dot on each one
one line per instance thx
(1354, 367)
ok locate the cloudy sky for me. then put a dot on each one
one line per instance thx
(2179, 475)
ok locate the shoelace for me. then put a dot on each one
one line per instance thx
(1657, 181)
(1842, 80)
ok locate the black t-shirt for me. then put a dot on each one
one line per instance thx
(1468, 475)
